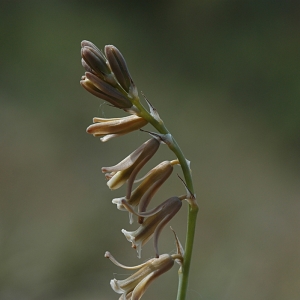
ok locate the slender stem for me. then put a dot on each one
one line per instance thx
(193, 207)
(184, 272)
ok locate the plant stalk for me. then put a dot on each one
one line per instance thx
(183, 272)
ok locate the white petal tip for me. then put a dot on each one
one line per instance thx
(115, 286)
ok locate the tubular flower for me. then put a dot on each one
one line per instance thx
(114, 127)
(149, 185)
(134, 287)
(155, 221)
(129, 167)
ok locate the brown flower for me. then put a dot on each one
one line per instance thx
(114, 127)
(134, 287)
(149, 185)
(155, 221)
(129, 167)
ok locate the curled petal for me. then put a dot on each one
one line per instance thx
(122, 204)
(130, 236)
(119, 203)
(114, 261)
(116, 287)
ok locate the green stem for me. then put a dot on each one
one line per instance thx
(184, 272)
(193, 207)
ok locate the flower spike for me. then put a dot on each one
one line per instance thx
(107, 77)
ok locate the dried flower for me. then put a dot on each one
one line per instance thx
(133, 287)
(153, 225)
(129, 167)
(114, 127)
(149, 185)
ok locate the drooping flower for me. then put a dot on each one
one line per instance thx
(155, 221)
(129, 167)
(134, 287)
(149, 185)
(114, 127)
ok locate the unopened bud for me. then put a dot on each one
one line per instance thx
(105, 91)
(119, 67)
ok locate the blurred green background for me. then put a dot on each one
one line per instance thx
(224, 75)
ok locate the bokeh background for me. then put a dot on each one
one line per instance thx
(224, 75)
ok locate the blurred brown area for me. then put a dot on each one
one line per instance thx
(224, 76)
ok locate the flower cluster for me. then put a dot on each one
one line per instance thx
(107, 77)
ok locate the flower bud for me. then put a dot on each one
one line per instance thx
(119, 67)
(105, 91)
(95, 60)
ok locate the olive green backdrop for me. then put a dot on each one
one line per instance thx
(224, 76)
